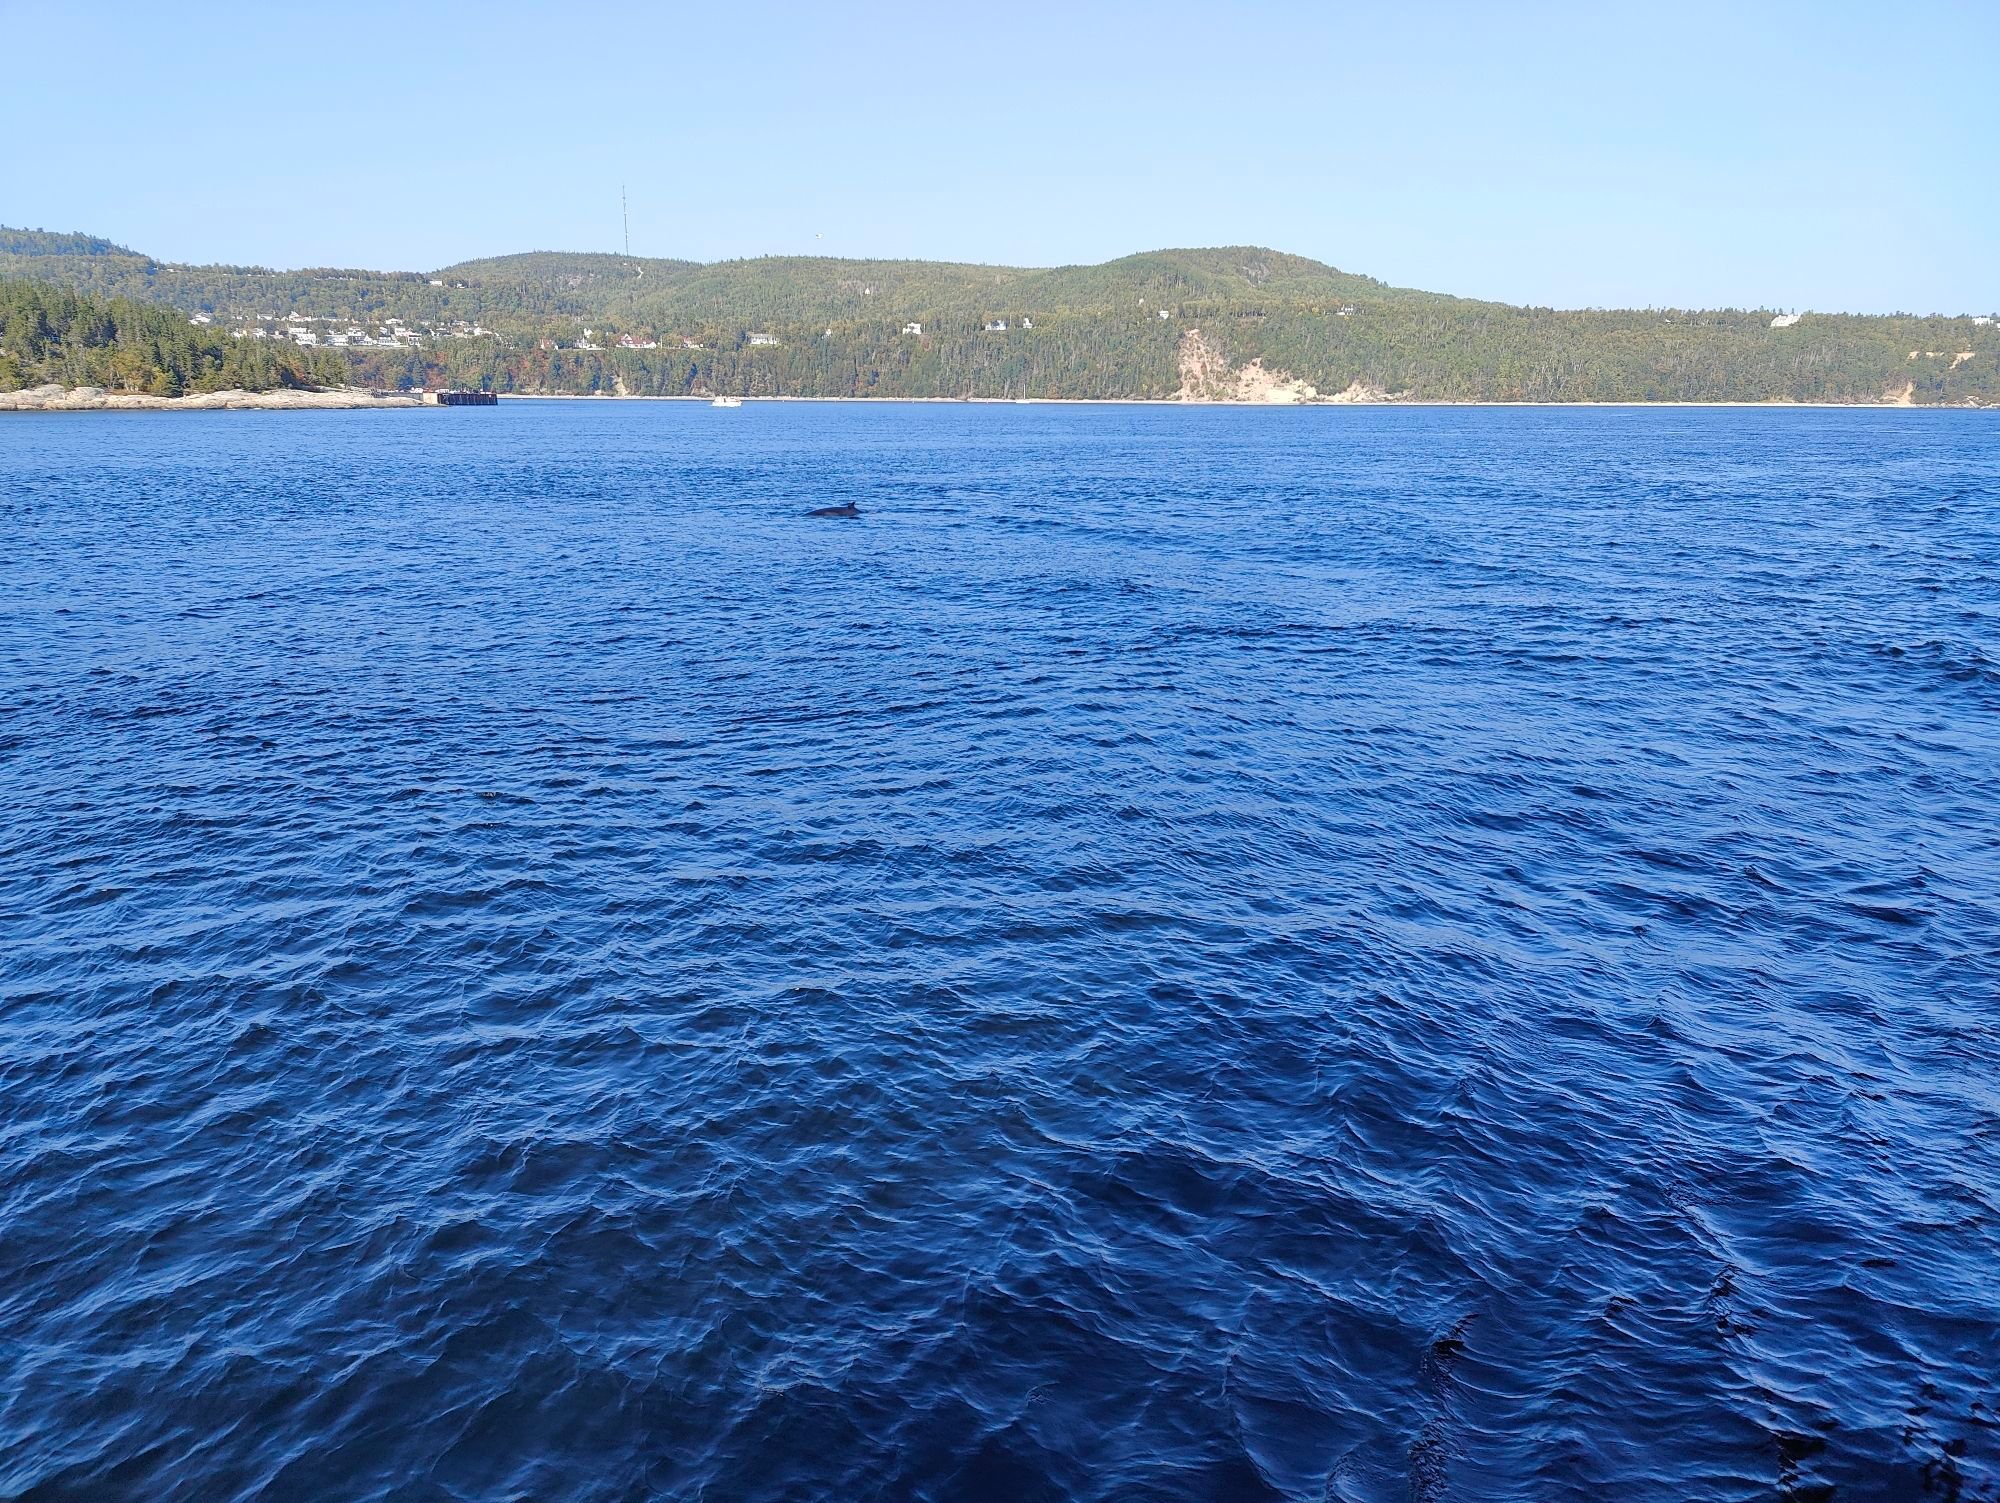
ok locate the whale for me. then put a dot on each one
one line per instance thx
(845, 509)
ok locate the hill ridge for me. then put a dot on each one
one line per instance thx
(1269, 320)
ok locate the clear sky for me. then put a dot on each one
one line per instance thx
(1830, 156)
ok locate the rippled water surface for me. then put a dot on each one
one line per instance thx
(1336, 954)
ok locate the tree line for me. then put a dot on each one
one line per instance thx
(1097, 331)
(55, 335)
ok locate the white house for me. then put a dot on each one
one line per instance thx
(913, 328)
(1164, 313)
(1027, 323)
(996, 326)
(763, 339)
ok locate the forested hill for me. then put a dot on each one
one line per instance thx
(1229, 323)
(521, 292)
(55, 335)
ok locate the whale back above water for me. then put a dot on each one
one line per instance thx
(845, 509)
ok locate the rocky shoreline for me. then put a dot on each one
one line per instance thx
(97, 399)
(1279, 390)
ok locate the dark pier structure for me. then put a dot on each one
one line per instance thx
(461, 399)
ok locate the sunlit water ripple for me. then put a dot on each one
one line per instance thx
(1334, 954)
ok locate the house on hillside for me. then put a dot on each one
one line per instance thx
(1027, 323)
(761, 339)
(996, 326)
(913, 328)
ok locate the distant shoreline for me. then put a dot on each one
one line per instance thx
(97, 399)
(1239, 325)
(1779, 402)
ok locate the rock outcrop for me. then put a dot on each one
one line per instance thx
(1207, 376)
(97, 399)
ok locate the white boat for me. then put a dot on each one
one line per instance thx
(727, 402)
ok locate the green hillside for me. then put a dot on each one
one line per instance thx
(53, 335)
(1134, 327)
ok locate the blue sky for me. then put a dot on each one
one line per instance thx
(1832, 156)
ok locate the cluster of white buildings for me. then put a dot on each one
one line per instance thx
(991, 326)
(592, 338)
(313, 331)
(621, 342)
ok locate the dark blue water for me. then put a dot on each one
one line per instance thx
(1336, 954)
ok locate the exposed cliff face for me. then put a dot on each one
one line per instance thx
(1207, 376)
(1205, 372)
